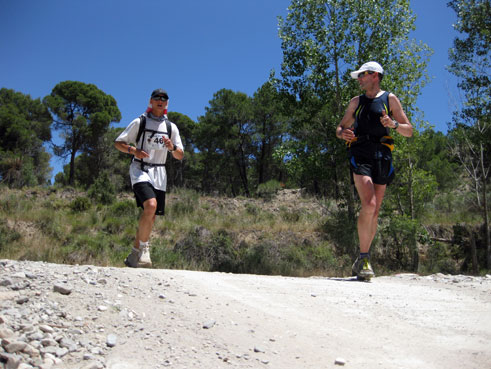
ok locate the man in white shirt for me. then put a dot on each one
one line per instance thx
(149, 148)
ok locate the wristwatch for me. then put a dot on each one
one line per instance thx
(396, 124)
(174, 148)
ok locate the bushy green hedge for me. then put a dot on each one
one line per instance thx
(268, 189)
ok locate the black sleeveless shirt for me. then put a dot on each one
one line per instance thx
(368, 114)
(367, 127)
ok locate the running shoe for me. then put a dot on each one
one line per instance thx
(362, 269)
(145, 261)
(133, 258)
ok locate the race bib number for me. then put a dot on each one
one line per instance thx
(156, 141)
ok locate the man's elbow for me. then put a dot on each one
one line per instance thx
(410, 131)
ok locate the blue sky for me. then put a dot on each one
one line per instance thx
(191, 48)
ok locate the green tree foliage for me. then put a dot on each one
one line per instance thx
(269, 120)
(223, 136)
(231, 149)
(471, 132)
(399, 247)
(24, 128)
(83, 114)
(184, 173)
(114, 167)
(424, 168)
(102, 191)
(434, 156)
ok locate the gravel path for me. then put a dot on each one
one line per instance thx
(63, 316)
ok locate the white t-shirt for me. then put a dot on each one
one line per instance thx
(153, 145)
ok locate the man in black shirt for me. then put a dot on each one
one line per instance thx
(366, 127)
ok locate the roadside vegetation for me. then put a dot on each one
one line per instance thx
(285, 232)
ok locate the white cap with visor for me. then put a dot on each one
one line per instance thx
(368, 67)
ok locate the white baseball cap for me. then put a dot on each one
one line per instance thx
(370, 66)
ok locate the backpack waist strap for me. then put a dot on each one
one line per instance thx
(384, 140)
(144, 164)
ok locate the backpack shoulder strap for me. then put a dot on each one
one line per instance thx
(359, 109)
(388, 104)
(169, 128)
(143, 123)
(387, 110)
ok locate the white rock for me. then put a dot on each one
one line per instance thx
(111, 340)
(5, 333)
(339, 361)
(209, 324)
(62, 288)
(46, 328)
(16, 346)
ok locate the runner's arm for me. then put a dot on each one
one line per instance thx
(405, 128)
(343, 130)
(128, 149)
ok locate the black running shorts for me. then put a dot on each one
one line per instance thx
(380, 169)
(144, 191)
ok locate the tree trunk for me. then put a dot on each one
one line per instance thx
(486, 227)
(262, 155)
(72, 168)
(415, 256)
(475, 268)
(485, 212)
(261, 163)
(242, 166)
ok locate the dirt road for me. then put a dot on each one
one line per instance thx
(185, 319)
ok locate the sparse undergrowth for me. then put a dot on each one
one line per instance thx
(286, 233)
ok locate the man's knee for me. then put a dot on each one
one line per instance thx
(370, 205)
(150, 206)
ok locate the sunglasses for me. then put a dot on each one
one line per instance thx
(363, 73)
(162, 98)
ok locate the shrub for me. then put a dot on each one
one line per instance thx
(83, 249)
(256, 259)
(102, 191)
(268, 189)
(80, 204)
(290, 216)
(186, 202)
(252, 209)
(208, 251)
(400, 235)
(7, 235)
(114, 225)
(54, 204)
(322, 257)
(339, 228)
(14, 202)
(50, 223)
(222, 253)
(192, 246)
(8, 203)
(123, 208)
(163, 257)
